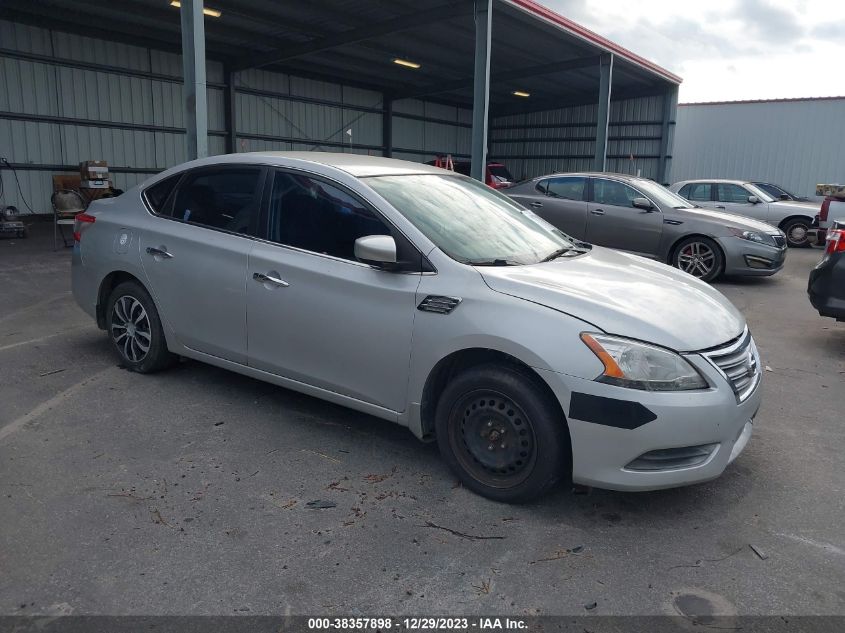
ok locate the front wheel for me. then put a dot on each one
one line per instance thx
(502, 434)
(135, 329)
(700, 257)
(797, 232)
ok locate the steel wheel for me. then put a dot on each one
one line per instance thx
(697, 259)
(493, 439)
(130, 328)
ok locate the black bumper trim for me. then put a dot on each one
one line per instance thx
(622, 414)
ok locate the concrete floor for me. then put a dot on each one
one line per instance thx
(185, 492)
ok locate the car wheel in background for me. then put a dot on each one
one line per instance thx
(135, 330)
(796, 231)
(700, 257)
(502, 433)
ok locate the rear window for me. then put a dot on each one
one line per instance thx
(501, 172)
(158, 195)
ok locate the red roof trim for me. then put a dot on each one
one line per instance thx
(741, 101)
(584, 33)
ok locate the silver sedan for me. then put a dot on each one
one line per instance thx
(430, 300)
(642, 217)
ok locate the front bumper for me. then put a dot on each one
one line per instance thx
(602, 453)
(747, 258)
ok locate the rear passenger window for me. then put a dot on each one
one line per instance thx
(157, 196)
(568, 188)
(225, 198)
(315, 216)
(697, 192)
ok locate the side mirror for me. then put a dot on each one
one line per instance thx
(377, 250)
(784, 196)
(642, 203)
(753, 199)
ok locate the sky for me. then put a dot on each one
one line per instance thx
(727, 50)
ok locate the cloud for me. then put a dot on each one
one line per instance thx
(830, 31)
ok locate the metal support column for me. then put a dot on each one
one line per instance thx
(481, 87)
(387, 126)
(193, 72)
(229, 116)
(670, 112)
(603, 117)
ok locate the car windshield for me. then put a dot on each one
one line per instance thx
(755, 190)
(471, 222)
(661, 195)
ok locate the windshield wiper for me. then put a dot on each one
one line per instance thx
(494, 262)
(563, 251)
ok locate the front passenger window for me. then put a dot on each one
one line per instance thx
(315, 216)
(224, 198)
(614, 193)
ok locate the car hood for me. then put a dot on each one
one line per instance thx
(626, 295)
(724, 219)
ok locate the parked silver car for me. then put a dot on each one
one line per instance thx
(745, 198)
(643, 217)
(428, 299)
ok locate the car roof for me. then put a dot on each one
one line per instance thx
(357, 165)
(734, 181)
(592, 174)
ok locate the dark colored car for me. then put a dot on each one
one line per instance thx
(826, 287)
(496, 176)
(779, 193)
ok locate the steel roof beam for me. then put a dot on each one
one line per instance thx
(353, 36)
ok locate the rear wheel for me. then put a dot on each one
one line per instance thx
(796, 231)
(502, 434)
(135, 329)
(700, 257)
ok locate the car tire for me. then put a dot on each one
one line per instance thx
(796, 232)
(699, 256)
(502, 433)
(135, 330)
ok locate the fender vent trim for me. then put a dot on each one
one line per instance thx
(439, 304)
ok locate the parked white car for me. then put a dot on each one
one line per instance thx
(742, 197)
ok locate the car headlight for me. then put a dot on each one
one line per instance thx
(753, 236)
(637, 365)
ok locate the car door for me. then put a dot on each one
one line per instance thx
(195, 253)
(733, 198)
(562, 202)
(317, 315)
(613, 220)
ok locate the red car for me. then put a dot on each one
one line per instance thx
(496, 176)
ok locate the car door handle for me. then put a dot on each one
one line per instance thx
(536, 205)
(267, 279)
(159, 252)
(597, 211)
(720, 206)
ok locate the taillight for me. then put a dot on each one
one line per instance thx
(81, 220)
(835, 242)
(824, 210)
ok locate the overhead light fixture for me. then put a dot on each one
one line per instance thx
(520, 93)
(213, 13)
(406, 63)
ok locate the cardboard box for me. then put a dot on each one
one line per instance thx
(94, 170)
(837, 191)
(95, 184)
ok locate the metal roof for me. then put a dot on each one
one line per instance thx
(354, 42)
(744, 101)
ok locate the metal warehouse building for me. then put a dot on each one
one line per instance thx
(795, 143)
(103, 80)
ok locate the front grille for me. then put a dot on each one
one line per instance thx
(780, 240)
(739, 365)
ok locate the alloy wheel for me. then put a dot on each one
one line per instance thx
(130, 328)
(798, 234)
(697, 259)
